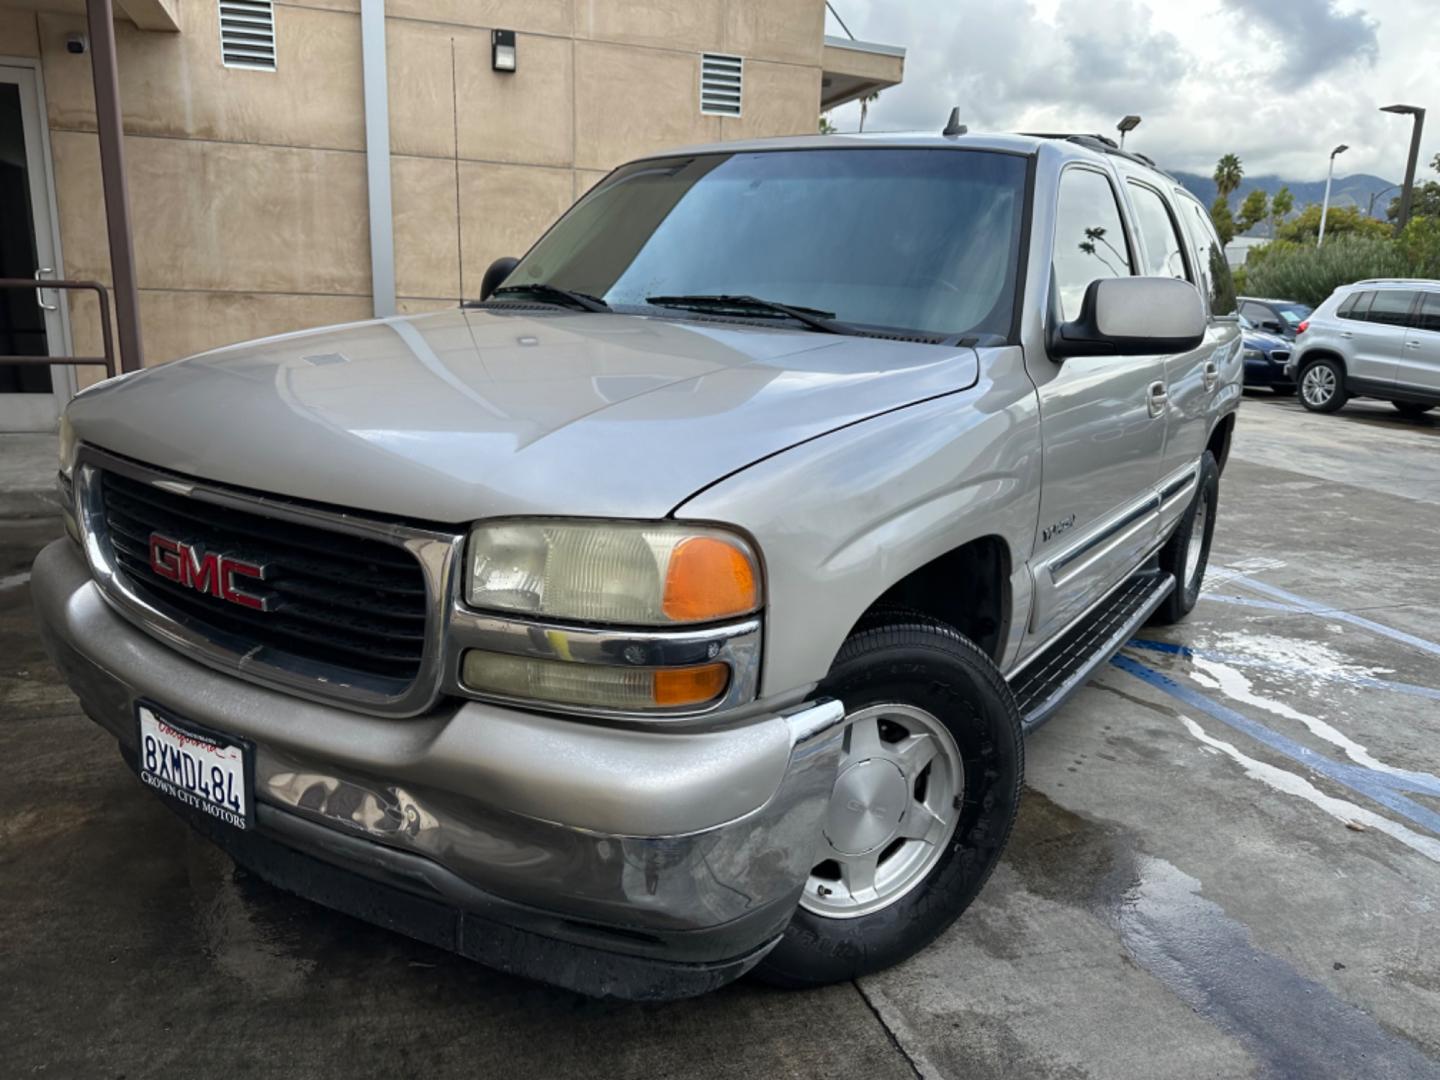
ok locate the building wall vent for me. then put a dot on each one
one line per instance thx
(247, 34)
(720, 82)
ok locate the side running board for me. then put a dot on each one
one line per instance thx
(1067, 663)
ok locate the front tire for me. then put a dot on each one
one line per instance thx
(921, 809)
(1322, 386)
(1187, 553)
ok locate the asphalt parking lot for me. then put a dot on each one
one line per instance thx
(1227, 862)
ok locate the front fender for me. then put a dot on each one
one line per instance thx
(843, 517)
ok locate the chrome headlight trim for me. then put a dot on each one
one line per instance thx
(736, 644)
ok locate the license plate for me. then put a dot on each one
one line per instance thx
(205, 770)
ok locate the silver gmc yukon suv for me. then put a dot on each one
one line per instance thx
(679, 607)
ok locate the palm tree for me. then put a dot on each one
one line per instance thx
(1228, 174)
(865, 106)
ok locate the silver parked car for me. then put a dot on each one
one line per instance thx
(1379, 339)
(678, 608)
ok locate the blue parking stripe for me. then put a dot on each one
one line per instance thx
(1274, 665)
(1340, 616)
(1383, 788)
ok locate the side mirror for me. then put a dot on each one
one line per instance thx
(1273, 326)
(495, 275)
(1133, 316)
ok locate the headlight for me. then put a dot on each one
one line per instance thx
(69, 445)
(594, 686)
(621, 573)
(1253, 354)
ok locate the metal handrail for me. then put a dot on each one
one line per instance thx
(107, 361)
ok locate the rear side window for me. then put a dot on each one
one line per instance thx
(1356, 306)
(1428, 317)
(1090, 239)
(1214, 270)
(1391, 307)
(1164, 253)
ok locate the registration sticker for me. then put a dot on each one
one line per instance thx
(204, 770)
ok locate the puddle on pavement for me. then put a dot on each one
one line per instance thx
(1292, 1025)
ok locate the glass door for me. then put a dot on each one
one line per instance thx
(31, 320)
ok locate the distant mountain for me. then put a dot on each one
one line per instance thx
(1344, 191)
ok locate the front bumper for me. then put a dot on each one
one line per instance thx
(617, 862)
(1268, 372)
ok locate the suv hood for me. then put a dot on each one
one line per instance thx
(1264, 340)
(476, 413)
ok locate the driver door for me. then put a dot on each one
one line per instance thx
(1102, 422)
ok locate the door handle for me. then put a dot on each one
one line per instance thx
(1346, 334)
(1212, 375)
(40, 293)
(1156, 398)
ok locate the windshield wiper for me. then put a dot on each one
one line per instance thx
(554, 293)
(814, 318)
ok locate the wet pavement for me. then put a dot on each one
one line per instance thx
(1227, 863)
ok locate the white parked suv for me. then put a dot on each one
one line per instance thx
(1378, 338)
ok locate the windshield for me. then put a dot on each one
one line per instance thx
(1294, 314)
(918, 240)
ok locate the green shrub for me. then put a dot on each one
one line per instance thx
(1309, 274)
(1420, 241)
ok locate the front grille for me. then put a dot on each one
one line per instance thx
(1279, 356)
(350, 608)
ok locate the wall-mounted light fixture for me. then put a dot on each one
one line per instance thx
(502, 50)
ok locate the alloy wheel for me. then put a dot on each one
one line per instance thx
(892, 813)
(1196, 547)
(1319, 384)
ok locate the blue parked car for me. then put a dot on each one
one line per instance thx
(1281, 317)
(1266, 355)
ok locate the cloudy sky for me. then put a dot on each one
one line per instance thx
(1278, 82)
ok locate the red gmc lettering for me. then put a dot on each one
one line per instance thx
(206, 572)
(165, 557)
(237, 596)
(202, 571)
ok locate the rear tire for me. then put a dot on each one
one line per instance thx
(1411, 410)
(910, 684)
(1322, 386)
(1187, 553)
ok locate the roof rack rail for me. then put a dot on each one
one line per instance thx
(1396, 281)
(1101, 143)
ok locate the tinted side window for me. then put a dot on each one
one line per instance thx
(1214, 270)
(1428, 317)
(1164, 253)
(1392, 307)
(1255, 313)
(1089, 238)
(1356, 306)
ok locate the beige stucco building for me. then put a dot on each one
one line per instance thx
(250, 181)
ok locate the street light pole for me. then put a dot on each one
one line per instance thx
(1409, 189)
(1325, 206)
(1370, 207)
(1127, 125)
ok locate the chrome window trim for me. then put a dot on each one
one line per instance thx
(438, 554)
(737, 644)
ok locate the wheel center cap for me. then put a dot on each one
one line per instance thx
(866, 804)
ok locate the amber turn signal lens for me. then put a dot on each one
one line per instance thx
(689, 686)
(709, 578)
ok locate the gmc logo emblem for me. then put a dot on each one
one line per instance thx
(205, 571)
